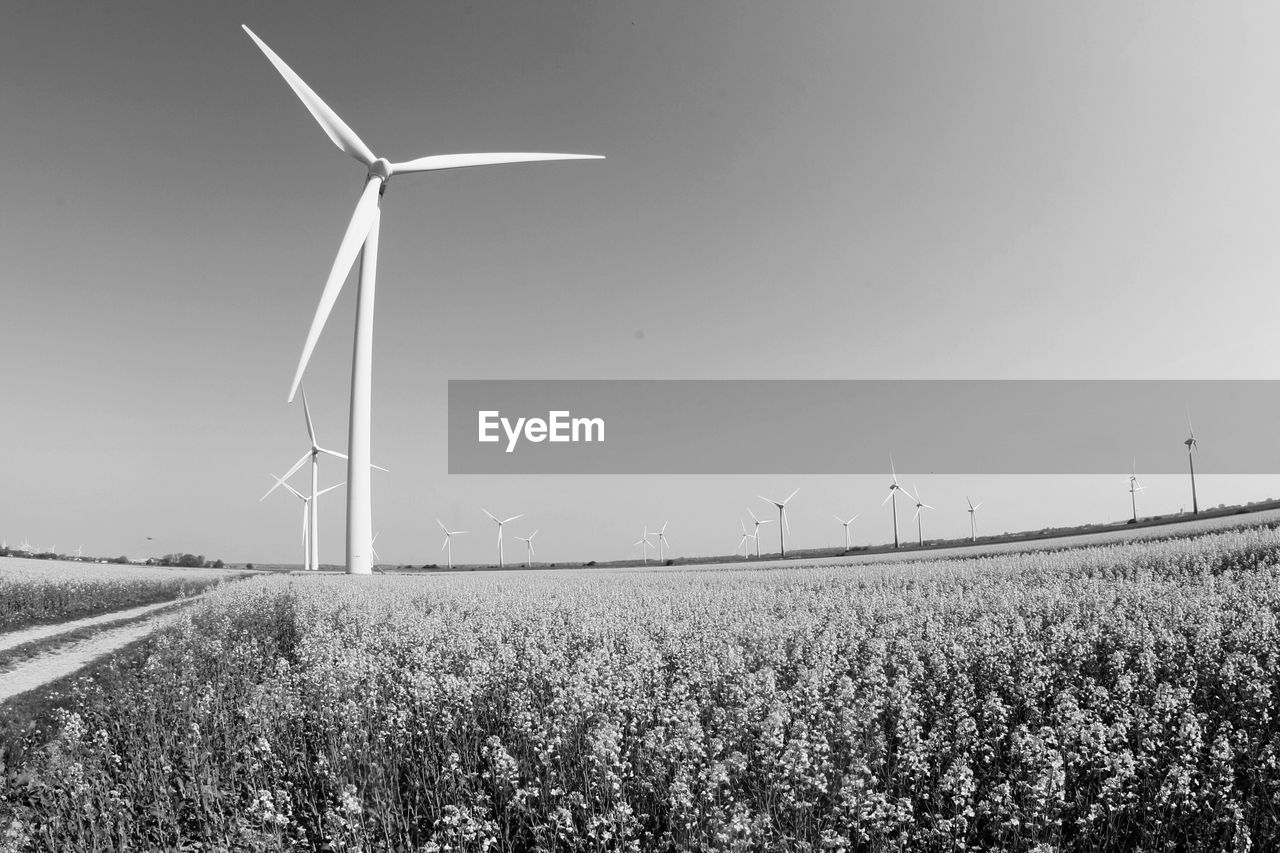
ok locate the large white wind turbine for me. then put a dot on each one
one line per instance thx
(1191, 446)
(784, 527)
(310, 558)
(755, 533)
(645, 545)
(846, 529)
(919, 517)
(448, 536)
(894, 488)
(500, 522)
(528, 544)
(362, 234)
(973, 513)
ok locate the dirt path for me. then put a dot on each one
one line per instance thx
(64, 660)
(40, 632)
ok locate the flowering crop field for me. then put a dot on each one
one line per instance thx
(1112, 698)
(42, 591)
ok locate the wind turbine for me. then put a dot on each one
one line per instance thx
(80, 552)
(662, 542)
(362, 237)
(1191, 445)
(846, 529)
(25, 546)
(528, 543)
(919, 518)
(1134, 488)
(973, 513)
(310, 558)
(314, 455)
(746, 551)
(894, 488)
(784, 526)
(448, 534)
(645, 545)
(501, 522)
(756, 531)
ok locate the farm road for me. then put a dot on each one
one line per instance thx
(40, 632)
(65, 660)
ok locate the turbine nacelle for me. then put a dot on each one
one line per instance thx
(381, 169)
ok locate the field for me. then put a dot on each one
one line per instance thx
(34, 592)
(1110, 698)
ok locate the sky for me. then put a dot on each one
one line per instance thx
(826, 190)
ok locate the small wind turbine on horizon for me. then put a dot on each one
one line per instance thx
(361, 237)
(973, 512)
(894, 488)
(80, 552)
(448, 536)
(1191, 446)
(742, 543)
(846, 529)
(919, 516)
(310, 559)
(500, 522)
(784, 527)
(645, 545)
(1134, 488)
(662, 542)
(755, 533)
(528, 542)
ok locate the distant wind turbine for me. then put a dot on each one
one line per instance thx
(894, 488)
(362, 237)
(846, 529)
(79, 552)
(742, 543)
(310, 559)
(662, 542)
(528, 543)
(973, 512)
(755, 533)
(448, 535)
(1134, 488)
(784, 527)
(500, 522)
(645, 545)
(919, 516)
(1191, 446)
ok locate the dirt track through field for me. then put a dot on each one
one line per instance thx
(65, 660)
(40, 632)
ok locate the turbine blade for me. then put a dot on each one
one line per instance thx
(297, 494)
(442, 527)
(887, 498)
(461, 161)
(306, 411)
(512, 518)
(332, 452)
(445, 543)
(336, 129)
(330, 488)
(366, 213)
(380, 468)
(789, 497)
(287, 475)
(491, 515)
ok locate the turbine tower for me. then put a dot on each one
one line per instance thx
(919, 518)
(528, 543)
(500, 522)
(1191, 446)
(894, 488)
(846, 529)
(784, 527)
(973, 513)
(362, 237)
(448, 535)
(756, 530)
(1134, 488)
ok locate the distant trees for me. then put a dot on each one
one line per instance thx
(186, 561)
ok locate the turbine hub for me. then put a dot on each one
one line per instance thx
(381, 168)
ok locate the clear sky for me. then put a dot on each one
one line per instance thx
(793, 190)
